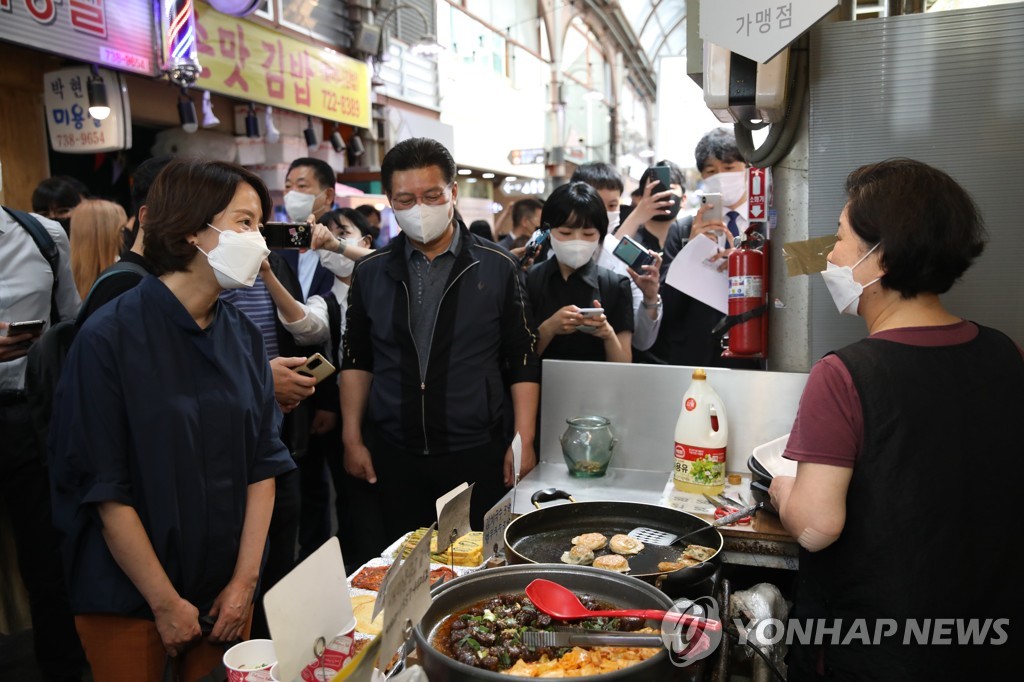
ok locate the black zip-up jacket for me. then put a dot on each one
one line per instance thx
(483, 336)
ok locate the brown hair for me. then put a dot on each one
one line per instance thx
(96, 226)
(184, 198)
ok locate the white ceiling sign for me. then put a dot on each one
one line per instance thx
(759, 29)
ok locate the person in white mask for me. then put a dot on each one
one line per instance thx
(918, 411)
(167, 442)
(570, 281)
(643, 285)
(439, 368)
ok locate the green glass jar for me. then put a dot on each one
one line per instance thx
(587, 446)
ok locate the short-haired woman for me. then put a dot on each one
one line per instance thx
(98, 226)
(894, 436)
(570, 281)
(165, 442)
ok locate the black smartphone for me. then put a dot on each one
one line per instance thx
(633, 254)
(533, 246)
(660, 175)
(288, 235)
(24, 327)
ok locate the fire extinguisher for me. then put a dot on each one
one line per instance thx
(746, 300)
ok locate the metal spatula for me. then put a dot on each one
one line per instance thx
(651, 536)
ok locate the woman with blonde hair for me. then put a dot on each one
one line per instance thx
(97, 226)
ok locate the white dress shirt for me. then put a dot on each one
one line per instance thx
(26, 282)
(645, 330)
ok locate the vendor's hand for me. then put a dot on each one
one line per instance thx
(564, 321)
(649, 282)
(324, 239)
(177, 623)
(14, 347)
(651, 204)
(359, 463)
(231, 609)
(323, 422)
(529, 461)
(290, 387)
(780, 489)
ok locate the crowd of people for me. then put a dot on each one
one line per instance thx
(190, 455)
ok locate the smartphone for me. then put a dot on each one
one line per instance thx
(662, 176)
(317, 367)
(25, 327)
(633, 254)
(589, 313)
(533, 246)
(713, 201)
(288, 235)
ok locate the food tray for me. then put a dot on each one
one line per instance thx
(769, 456)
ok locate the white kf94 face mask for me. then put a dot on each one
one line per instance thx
(845, 290)
(573, 253)
(237, 257)
(424, 223)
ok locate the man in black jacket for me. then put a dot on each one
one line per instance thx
(437, 323)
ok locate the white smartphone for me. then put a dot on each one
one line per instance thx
(591, 312)
(714, 212)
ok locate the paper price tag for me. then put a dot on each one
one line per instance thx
(517, 456)
(453, 516)
(378, 604)
(495, 522)
(408, 597)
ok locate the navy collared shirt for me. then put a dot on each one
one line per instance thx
(427, 281)
(176, 421)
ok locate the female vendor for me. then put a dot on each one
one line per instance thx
(895, 435)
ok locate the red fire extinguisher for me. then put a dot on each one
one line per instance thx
(746, 299)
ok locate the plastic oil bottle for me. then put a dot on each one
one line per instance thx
(701, 435)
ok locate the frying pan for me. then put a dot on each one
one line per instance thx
(541, 536)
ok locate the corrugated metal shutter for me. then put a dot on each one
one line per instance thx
(947, 89)
(409, 25)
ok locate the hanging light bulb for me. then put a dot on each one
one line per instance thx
(187, 113)
(310, 134)
(252, 126)
(99, 106)
(273, 135)
(336, 141)
(210, 119)
(355, 146)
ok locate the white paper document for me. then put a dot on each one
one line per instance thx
(694, 274)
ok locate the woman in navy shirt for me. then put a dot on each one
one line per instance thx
(571, 280)
(165, 439)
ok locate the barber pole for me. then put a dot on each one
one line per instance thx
(178, 33)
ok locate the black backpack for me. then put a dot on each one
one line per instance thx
(46, 358)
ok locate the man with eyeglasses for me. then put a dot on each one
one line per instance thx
(438, 328)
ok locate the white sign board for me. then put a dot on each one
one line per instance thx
(72, 129)
(759, 29)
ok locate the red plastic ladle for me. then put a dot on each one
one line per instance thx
(560, 602)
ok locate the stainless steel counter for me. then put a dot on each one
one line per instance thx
(622, 485)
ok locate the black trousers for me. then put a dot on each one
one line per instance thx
(409, 483)
(281, 545)
(25, 493)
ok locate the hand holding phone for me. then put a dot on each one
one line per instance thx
(24, 327)
(589, 314)
(316, 366)
(288, 235)
(633, 254)
(662, 176)
(713, 212)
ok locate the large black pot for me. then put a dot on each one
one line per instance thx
(462, 593)
(541, 536)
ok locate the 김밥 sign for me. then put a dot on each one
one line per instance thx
(245, 60)
(72, 129)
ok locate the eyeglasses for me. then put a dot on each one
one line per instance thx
(433, 197)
